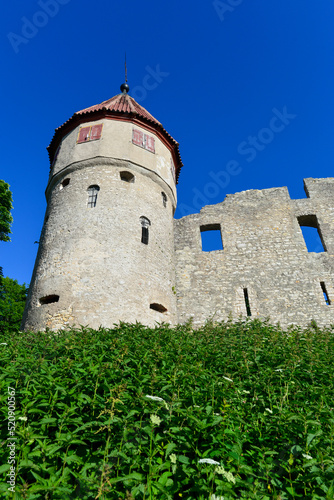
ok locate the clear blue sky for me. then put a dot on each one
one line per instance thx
(225, 70)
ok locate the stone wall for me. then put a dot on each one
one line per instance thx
(92, 267)
(264, 268)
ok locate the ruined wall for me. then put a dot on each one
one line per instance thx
(264, 256)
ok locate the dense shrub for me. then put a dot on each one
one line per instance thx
(233, 410)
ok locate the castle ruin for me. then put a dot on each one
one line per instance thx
(110, 249)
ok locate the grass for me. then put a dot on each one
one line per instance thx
(236, 410)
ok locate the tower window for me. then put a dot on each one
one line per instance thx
(143, 140)
(158, 307)
(211, 237)
(64, 183)
(49, 299)
(248, 309)
(92, 195)
(127, 176)
(313, 238)
(324, 291)
(92, 133)
(145, 223)
(164, 199)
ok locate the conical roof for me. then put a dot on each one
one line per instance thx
(121, 106)
(121, 103)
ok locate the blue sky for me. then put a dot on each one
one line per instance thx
(223, 71)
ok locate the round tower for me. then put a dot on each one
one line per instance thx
(106, 252)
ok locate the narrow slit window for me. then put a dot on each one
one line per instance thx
(211, 237)
(311, 232)
(246, 297)
(145, 223)
(164, 199)
(127, 176)
(324, 291)
(158, 307)
(49, 299)
(64, 183)
(92, 196)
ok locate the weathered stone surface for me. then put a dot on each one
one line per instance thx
(264, 252)
(93, 258)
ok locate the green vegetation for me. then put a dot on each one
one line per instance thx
(12, 301)
(5, 208)
(137, 413)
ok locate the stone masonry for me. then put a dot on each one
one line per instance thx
(110, 249)
(264, 256)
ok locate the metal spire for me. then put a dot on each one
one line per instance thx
(125, 87)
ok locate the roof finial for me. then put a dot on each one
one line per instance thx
(125, 87)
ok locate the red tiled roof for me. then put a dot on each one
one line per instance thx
(121, 105)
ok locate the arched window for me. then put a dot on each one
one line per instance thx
(145, 223)
(164, 199)
(92, 195)
(127, 176)
(64, 183)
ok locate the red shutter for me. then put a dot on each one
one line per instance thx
(83, 135)
(149, 143)
(138, 137)
(96, 132)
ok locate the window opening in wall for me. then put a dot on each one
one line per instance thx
(127, 176)
(158, 307)
(143, 140)
(211, 237)
(145, 223)
(87, 134)
(49, 299)
(64, 183)
(324, 291)
(164, 199)
(92, 195)
(312, 235)
(248, 309)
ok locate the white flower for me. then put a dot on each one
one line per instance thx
(226, 378)
(155, 420)
(155, 398)
(3, 343)
(208, 461)
(228, 475)
(308, 457)
(214, 497)
(279, 370)
(23, 418)
(268, 409)
(172, 458)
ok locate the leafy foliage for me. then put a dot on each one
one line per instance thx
(12, 301)
(233, 410)
(5, 208)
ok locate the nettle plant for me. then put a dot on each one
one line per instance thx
(231, 410)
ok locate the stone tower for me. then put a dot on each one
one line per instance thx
(106, 249)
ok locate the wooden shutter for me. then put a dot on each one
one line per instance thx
(138, 137)
(96, 132)
(149, 143)
(83, 135)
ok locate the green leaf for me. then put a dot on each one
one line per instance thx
(169, 448)
(4, 468)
